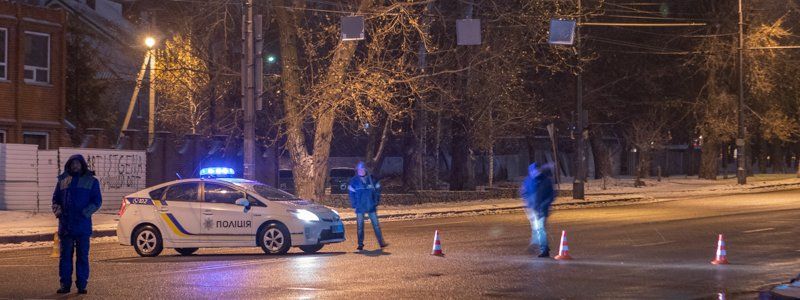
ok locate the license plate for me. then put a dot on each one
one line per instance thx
(337, 228)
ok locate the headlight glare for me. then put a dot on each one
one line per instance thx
(305, 215)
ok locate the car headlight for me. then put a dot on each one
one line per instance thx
(305, 215)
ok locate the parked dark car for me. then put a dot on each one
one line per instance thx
(340, 178)
(286, 180)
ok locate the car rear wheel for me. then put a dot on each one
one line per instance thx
(310, 249)
(274, 239)
(186, 251)
(147, 241)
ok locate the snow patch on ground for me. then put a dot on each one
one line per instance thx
(49, 244)
(15, 223)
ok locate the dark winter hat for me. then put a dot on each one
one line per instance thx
(84, 166)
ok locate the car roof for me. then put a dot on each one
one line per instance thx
(235, 181)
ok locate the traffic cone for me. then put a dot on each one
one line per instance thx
(722, 254)
(563, 250)
(437, 245)
(56, 246)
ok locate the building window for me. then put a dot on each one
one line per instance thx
(2, 136)
(36, 138)
(3, 55)
(37, 57)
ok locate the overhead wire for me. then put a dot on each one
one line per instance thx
(632, 44)
(650, 15)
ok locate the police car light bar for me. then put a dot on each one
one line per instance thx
(216, 172)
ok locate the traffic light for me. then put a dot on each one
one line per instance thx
(270, 59)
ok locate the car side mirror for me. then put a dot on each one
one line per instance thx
(243, 202)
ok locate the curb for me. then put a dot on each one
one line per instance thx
(555, 206)
(45, 237)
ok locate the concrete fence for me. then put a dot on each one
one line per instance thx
(28, 175)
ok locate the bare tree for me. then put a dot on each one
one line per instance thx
(183, 85)
(648, 134)
(325, 79)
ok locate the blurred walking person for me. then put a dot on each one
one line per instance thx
(538, 194)
(365, 195)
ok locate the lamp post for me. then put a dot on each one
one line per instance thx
(151, 118)
(741, 162)
(148, 63)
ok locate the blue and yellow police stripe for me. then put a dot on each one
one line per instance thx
(174, 225)
(168, 218)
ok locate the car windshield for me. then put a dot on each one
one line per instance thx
(272, 193)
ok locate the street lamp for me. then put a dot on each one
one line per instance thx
(149, 63)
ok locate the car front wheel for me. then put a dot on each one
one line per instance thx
(147, 241)
(274, 239)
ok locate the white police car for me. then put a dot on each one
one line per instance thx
(211, 212)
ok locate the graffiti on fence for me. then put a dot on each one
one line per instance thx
(118, 171)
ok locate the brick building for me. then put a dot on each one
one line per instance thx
(32, 75)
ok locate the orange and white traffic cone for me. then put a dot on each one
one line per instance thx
(437, 245)
(722, 253)
(56, 246)
(563, 250)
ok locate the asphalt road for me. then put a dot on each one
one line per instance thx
(658, 250)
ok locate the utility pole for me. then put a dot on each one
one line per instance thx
(422, 121)
(578, 182)
(741, 170)
(151, 108)
(258, 62)
(132, 103)
(249, 89)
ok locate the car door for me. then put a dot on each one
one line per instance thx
(224, 221)
(180, 212)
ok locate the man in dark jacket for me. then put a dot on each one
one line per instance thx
(75, 199)
(537, 193)
(365, 195)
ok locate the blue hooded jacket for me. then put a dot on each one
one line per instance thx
(75, 199)
(537, 193)
(365, 195)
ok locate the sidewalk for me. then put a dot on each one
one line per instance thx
(17, 227)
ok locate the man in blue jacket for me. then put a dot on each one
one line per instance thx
(365, 195)
(537, 193)
(75, 199)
